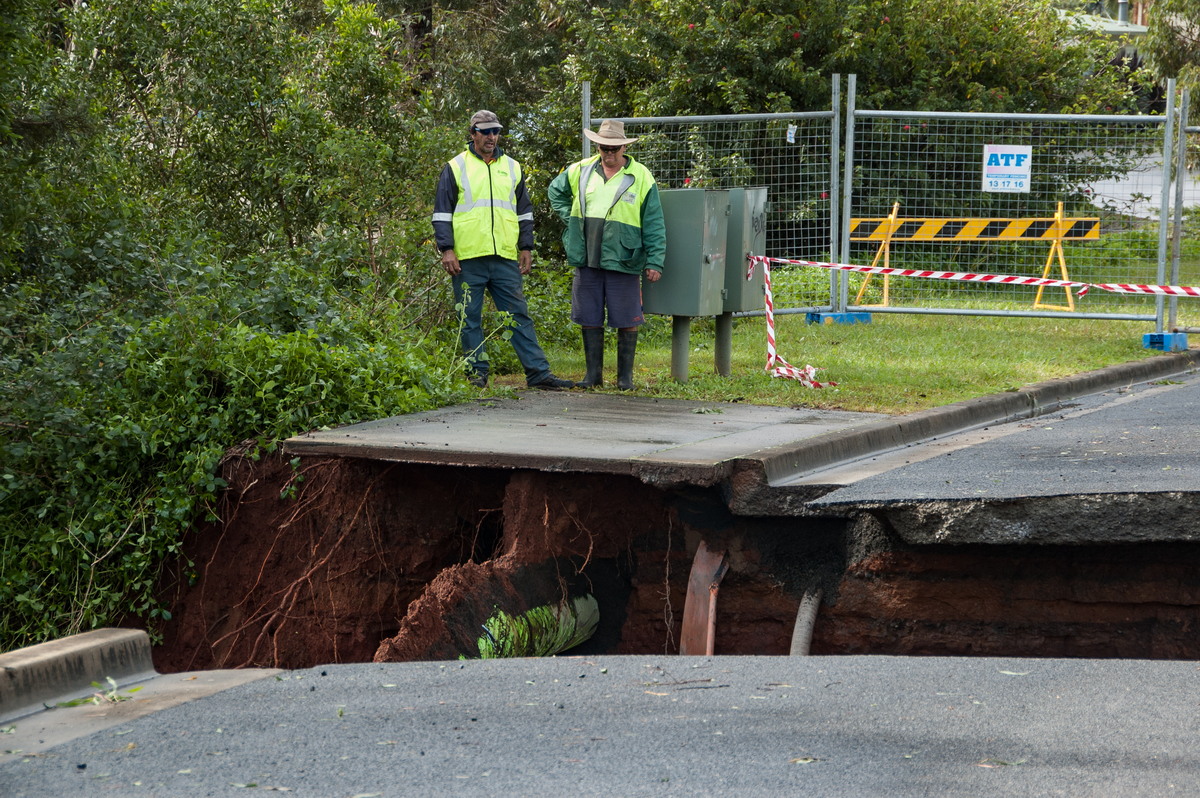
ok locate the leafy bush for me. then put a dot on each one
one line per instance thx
(548, 289)
(205, 239)
(112, 440)
(540, 632)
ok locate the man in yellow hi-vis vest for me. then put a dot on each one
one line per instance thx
(483, 227)
(615, 234)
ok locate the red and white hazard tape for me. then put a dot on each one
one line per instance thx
(972, 277)
(777, 366)
(1166, 290)
(1007, 279)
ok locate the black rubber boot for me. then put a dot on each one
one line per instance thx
(626, 347)
(593, 357)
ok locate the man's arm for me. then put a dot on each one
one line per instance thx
(524, 216)
(444, 200)
(561, 198)
(654, 234)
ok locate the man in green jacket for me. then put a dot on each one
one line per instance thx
(615, 234)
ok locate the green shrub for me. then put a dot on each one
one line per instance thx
(540, 632)
(112, 436)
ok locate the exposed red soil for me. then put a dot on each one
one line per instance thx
(319, 564)
(355, 560)
(1134, 601)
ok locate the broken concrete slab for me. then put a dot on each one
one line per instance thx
(1120, 466)
(663, 442)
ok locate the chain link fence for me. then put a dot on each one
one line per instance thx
(928, 174)
(793, 155)
(1184, 314)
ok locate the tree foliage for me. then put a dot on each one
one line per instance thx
(215, 245)
(214, 215)
(653, 57)
(1173, 40)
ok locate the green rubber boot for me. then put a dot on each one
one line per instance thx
(626, 347)
(593, 356)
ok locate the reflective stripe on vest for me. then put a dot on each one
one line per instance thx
(485, 218)
(602, 190)
(632, 188)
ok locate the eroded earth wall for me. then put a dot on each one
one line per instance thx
(344, 560)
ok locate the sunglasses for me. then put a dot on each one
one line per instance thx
(492, 131)
(609, 149)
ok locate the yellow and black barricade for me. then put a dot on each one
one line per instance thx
(893, 229)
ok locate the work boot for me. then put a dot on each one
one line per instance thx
(552, 383)
(626, 347)
(593, 356)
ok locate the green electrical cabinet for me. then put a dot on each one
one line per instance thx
(693, 279)
(709, 234)
(747, 236)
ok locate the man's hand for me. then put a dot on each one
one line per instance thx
(450, 263)
(525, 261)
(653, 275)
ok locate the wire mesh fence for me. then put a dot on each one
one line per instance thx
(1185, 233)
(793, 155)
(1085, 209)
(911, 191)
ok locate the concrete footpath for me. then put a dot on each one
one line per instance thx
(771, 461)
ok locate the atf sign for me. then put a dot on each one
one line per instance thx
(1007, 167)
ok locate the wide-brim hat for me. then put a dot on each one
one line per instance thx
(610, 134)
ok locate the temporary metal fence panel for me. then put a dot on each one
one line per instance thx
(1184, 313)
(1075, 199)
(1085, 207)
(793, 155)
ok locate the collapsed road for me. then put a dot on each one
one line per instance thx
(1054, 520)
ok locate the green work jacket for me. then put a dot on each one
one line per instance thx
(625, 211)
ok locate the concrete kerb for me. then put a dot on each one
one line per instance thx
(65, 669)
(769, 467)
(39, 686)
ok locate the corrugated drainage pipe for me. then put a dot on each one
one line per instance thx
(806, 617)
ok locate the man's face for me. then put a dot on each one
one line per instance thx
(485, 140)
(612, 157)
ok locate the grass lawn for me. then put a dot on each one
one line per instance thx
(899, 363)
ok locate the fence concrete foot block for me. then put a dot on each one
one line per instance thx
(838, 318)
(1165, 342)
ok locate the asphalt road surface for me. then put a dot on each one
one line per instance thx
(656, 726)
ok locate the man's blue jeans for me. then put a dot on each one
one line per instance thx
(501, 278)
